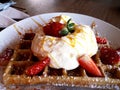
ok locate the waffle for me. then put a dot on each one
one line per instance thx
(23, 58)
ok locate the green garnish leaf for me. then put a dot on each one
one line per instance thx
(70, 26)
(64, 31)
(69, 21)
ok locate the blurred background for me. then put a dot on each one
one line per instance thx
(107, 10)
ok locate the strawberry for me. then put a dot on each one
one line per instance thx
(118, 50)
(6, 56)
(101, 40)
(109, 56)
(47, 29)
(87, 63)
(53, 29)
(37, 67)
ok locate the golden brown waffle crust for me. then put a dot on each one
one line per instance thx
(62, 80)
(56, 80)
(59, 80)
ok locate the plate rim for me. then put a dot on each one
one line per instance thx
(88, 16)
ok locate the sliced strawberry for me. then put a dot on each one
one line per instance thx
(53, 29)
(37, 67)
(109, 56)
(47, 29)
(87, 63)
(101, 40)
(6, 56)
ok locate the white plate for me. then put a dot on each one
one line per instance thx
(10, 35)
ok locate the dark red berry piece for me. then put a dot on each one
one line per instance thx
(6, 56)
(53, 29)
(101, 40)
(109, 56)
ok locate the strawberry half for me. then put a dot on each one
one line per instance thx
(101, 40)
(87, 63)
(53, 28)
(109, 56)
(37, 67)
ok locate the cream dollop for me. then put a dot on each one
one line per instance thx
(64, 52)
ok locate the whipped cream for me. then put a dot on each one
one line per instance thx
(64, 52)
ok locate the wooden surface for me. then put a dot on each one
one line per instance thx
(107, 10)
